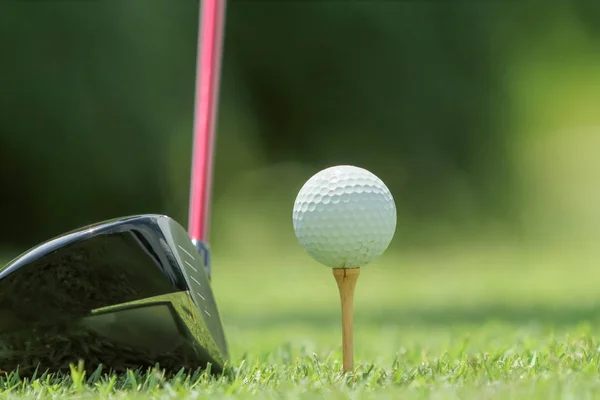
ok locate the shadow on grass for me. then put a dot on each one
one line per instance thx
(447, 316)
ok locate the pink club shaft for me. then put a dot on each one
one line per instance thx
(210, 44)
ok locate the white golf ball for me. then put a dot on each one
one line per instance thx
(344, 217)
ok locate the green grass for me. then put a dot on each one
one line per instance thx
(487, 322)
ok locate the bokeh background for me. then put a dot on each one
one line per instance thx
(482, 117)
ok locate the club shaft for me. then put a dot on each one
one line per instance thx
(208, 69)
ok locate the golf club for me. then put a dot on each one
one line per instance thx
(131, 292)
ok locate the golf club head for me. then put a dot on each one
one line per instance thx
(125, 293)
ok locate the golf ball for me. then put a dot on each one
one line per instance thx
(344, 217)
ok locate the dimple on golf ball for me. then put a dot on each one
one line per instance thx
(344, 217)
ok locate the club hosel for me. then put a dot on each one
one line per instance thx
(204, 252)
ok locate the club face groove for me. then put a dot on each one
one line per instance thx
(125, 293)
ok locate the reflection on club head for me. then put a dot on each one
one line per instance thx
(127, 293)
(164, 330)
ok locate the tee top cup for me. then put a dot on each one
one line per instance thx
(345, 217)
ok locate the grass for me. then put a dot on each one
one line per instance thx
(483, 323)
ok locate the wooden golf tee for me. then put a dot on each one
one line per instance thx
(346, 281)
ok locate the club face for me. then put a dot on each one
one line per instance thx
(126, 293)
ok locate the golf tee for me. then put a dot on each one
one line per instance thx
(346, 281)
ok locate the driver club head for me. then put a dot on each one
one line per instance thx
(122, 294)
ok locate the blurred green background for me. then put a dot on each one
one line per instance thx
(482, 117)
